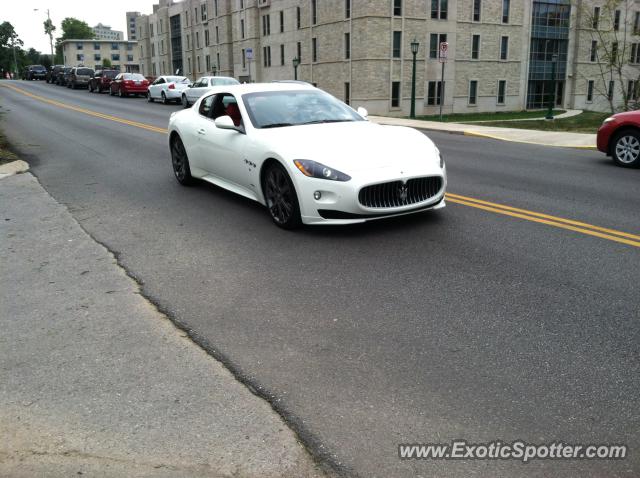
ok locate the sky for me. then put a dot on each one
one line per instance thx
(28, 23)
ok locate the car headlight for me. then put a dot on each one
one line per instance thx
(314, 169)
(608, 120)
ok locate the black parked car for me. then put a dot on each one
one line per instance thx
(52, 74)
(34, 72)
(63, 75)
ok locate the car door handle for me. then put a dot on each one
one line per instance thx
(201, 131)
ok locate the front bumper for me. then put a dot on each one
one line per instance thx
(339, 203)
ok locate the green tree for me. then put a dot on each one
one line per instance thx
(72, 29)
(33, 56)
(10, 47)
(106, 63)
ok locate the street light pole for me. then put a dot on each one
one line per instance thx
(296, 63)
(552, 92)
(414, 51)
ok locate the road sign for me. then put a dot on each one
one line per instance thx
(249, 53)
(444, 51)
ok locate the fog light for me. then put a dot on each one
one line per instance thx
(317, 195)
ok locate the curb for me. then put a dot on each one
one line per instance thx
(500, 138)
(14, 167)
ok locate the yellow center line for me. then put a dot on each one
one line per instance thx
(569, 224)
(95, 114)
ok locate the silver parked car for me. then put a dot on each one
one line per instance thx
(196, 90)
(79, 76)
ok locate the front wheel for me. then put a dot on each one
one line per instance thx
(180, 163)
(120, 93)
(111, 92)
(281, 197)
(626, 149)
(164, 98)
(185, 101)
(149, 97)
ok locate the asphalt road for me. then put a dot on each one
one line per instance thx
(456, 324)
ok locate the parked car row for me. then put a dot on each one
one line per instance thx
(34, 72)
(165, 88)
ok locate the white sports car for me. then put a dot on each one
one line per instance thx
(305, 155)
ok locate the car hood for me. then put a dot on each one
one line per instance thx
(352, 146)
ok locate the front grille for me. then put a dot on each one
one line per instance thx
(398, 193)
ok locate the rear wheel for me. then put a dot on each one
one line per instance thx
(164, 98)
(185, 101)
(626, 149)
(90, 88)
(180, 163)
(120, 93)
(281, 197)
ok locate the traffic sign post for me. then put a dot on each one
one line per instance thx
(248, 53)
(442, 57)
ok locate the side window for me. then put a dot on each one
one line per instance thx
(161, 81)
(227, 105)
(206, 106)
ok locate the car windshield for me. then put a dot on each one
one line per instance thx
(110, 73)
(224, 81)
(274, 109)
(133, 76)
(177, 79)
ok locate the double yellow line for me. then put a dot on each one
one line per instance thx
(569, 224)
(95, 114)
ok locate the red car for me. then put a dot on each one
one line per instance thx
(619, 137)
(126, 84)
(101, 80)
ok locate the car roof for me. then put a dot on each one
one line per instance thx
(260, 87)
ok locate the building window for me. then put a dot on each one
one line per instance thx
(218, 61)
(197, 39)
(397, 42)
(473, 92)
(97, 57)
(395, 94)
(207, 62)
(203, 12)
(188, 41)
(347, 8)
(215, 7)
(614, 53)
(266, 25)
(347, 46)
(281, 55)
(241, 28)
(505, 10)
(347, 93)
(153, 49)
(635, 53)
(115, 57)
(79, 57)
(616, 20)
(439, 9)
(281, 21)
(217, 36)
(244, 59)
(610, 90)
(630, 89)
(596, 17)
(129, 58)
(397, 8)
(477, 9)
(206, 37)
(298, 18)
(79, 46)
(434, 43)
(198, 62)
(314, 49)
(266, 55)
(475, 47)
(504, 48)
(590, 85)
(594, 50)
(299, 50)
(195, 16)
(314, 12)
(502, 89)
(434, 93)
(151, 30)
(96, 46)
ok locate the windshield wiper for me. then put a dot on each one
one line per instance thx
(328, 121)
(276, 125)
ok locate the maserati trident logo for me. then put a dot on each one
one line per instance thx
(402, 192)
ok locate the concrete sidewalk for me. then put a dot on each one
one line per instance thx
(529, 136)
(95, 381)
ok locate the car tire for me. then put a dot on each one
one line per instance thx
(625, 148)
(164, 98)
(185, 101)
(90, 88)
(149, 97)
(99, 89)
(111, 92)
(120, 93)
(180, 162)
(73, 85)
(280, 196)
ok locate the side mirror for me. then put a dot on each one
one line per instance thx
(362, 111)
(225, 122)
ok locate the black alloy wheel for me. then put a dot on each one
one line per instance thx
(180, 163)
(281, 198)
